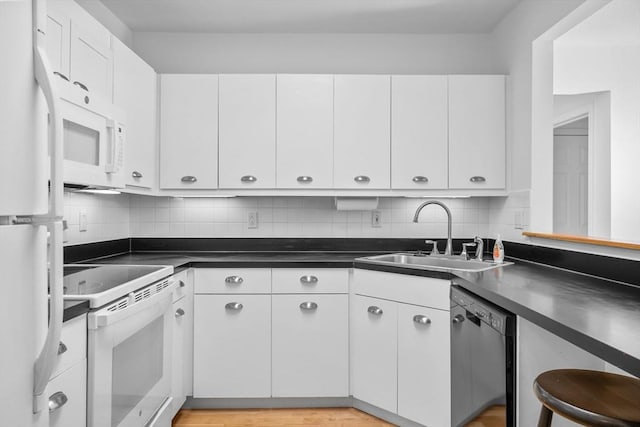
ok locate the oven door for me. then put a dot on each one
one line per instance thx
(129, 352)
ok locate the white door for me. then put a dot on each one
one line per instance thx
(419, 132)
(477, 132)
(188, 131)
(232, 346)
(248, 131)
(570, 184)
(304, 131)
(361, 131)
(135, 90)
(310, 345)
(91, 58)
(424, 367)
(374, 347)
(58, 38)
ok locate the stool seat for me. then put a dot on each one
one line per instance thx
(589, 397)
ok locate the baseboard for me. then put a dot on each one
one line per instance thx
(268, 402)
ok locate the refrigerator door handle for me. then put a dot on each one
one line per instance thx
(44, 76)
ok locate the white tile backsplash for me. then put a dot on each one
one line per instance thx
(108, 217)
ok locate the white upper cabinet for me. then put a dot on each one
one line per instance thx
(477, 132)
(361, 132)
(419, 132)
(79, 47)
(304, 131)
(188, 131)
(247, 131)
(135, 90)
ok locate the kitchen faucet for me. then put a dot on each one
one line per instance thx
(447, 250)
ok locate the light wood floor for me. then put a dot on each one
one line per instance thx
(493, 416)
(333, 417)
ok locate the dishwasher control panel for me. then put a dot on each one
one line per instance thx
(479, 309)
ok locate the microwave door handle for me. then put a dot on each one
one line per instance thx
(110, 167)
(43, 72)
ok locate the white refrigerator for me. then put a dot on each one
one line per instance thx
(30, 216)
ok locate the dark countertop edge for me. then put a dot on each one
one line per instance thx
(610, 354)
(74, 309)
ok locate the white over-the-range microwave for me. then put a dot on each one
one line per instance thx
(93, 138)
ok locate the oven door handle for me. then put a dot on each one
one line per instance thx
(159, 303)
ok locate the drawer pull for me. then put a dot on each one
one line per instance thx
(62, 76)
(304, 179)
(233, 280)
(248, 178)
(421, 319)
(233, 306)
(308, 306)
(375, 310)
(477, 179)
(362, 179)
(458, 318)
(81, 85)
(190, 179)
(62, 348)
(308, 280)
(136, 174)
(182, 284)
(420, 179)
(57, 401)
(179, 313)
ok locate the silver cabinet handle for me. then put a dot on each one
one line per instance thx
(84, 87)
(308, 306)
(458, 318)
(62, 76)
(477, 179)
(136, 174)
(308, 280)
(181, 284)
(362, 179)
(304, 179)
(179, 312)
(419, 179)
(248, 178)
(375, 310)
(189, 178)
(57, 400)
(421, 319)
(233, 306)
(233, 280)
(62, 348)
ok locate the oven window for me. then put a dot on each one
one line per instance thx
(137, 367)
(81, 144)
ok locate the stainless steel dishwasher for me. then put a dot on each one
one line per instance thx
(482, 360)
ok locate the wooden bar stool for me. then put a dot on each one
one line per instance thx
(590, 398)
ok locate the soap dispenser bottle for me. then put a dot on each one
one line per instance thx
(498, 250)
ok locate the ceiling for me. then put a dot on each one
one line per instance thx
(312, 16)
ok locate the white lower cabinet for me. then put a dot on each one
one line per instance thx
(400, 345)
(68, 397)
(310, 345)
(182, 357)
(232, 346)
(375, 352)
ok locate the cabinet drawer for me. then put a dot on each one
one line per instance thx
(73, 344)
(70, 385)
(310, 281)
(425, 291)
(232, 281)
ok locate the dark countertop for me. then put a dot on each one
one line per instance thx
(74, 309)
(598, 315)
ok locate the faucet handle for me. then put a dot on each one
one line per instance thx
(479, 248)
(464, 254)
(434, 249)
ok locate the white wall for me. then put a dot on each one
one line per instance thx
(316, 53)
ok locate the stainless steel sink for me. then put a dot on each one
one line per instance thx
(450, 264)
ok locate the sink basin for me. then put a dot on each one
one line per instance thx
(450, 264)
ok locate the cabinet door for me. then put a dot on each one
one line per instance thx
(374, 350)
(424, 365)
(135, 90)
(477, 132)
(419, 132)
(304, 131)
(72, 383)
(310, 345)
(180, 324)
(361, 131)
(232, 346)
(188, 131)
(91, 57)
(58, 38)
(247, 131)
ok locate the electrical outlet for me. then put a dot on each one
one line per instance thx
(376, 219)
(518, 220)
(252, 219)
(82, 221)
